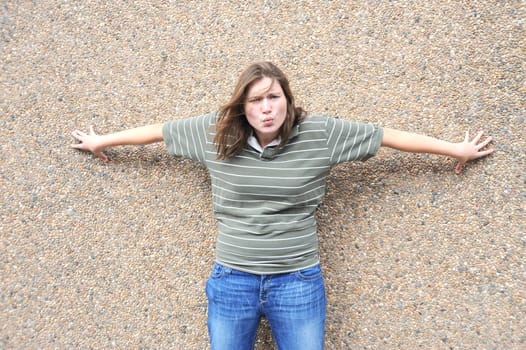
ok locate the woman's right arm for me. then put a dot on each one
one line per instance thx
(97, 143)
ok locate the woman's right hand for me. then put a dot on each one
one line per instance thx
(89, 143)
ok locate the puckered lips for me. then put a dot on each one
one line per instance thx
(267, 121)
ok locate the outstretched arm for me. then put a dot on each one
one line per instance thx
(96, 144)
(462, 151)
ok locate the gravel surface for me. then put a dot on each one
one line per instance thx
(98, 256)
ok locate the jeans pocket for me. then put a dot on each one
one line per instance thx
(218, 271)
(309, 274)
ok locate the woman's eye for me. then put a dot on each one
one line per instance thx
(260, 98)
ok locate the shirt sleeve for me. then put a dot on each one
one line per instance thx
(350, 140)
(189, 137)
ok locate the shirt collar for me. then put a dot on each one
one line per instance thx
(254, 143)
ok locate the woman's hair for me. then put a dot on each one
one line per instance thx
(233, 129)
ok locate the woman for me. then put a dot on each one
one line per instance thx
(268, 162)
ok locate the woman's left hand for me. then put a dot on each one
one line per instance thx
(470, 150)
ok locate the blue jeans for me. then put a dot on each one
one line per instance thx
(293, 303)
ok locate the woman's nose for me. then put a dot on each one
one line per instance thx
(266, 105)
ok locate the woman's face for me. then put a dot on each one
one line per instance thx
(266, 109)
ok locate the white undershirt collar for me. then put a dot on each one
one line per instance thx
(254, 143)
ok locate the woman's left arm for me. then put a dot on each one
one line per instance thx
(463, 151)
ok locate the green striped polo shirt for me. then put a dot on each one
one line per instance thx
(265, 202)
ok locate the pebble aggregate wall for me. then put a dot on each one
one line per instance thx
(116, 255)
